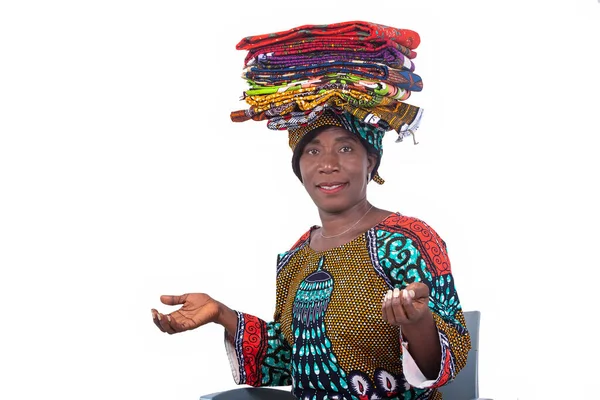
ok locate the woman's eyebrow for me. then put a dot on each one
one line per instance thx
(337, 139)
(346, 137)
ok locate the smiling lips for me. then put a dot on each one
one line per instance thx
(331, 187)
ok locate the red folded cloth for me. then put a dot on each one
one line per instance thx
(359, 31)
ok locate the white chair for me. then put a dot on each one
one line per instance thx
(466, 384)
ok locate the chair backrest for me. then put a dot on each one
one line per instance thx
(466, 384)
(259, 393)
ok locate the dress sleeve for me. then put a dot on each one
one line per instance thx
(258, 353)
(411, 251)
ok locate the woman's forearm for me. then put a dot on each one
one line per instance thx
(424, 346)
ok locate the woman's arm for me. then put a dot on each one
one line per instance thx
(251, 343)
(411, 253)
(409, 310)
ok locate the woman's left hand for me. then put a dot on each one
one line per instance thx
(408, 306)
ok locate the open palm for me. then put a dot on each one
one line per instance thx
(197, 309)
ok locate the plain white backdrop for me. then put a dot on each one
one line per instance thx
(122, 178)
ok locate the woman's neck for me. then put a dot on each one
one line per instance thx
(334, 223)
(321, 239)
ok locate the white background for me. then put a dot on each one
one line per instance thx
(122, 178)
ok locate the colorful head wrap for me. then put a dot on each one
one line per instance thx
(355, 75)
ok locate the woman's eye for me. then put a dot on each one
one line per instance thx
(312, 151)
(346, 149)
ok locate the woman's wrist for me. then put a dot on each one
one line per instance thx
(416, 329)
(227, 318)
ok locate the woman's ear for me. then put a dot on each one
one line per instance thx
(371, 162)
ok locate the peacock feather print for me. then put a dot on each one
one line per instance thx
(314, 364)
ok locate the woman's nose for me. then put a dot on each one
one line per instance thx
(328, 162)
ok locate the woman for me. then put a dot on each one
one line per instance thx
(366, 306)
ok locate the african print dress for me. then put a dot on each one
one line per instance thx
(328, 339)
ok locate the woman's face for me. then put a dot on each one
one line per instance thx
(334, 166)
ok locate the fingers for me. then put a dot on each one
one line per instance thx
(386, 312)
(405, 306)
(171, 300)
(163, 322)
(155, 319)
(167, 322)
(398, 301)
(416, 293)
(408, 305)
(392, 310)
(420, 289)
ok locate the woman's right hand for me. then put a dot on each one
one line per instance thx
(198, 309)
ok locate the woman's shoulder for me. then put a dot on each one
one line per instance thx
(299, 244)
(407, 225)
(422, 236)
(303, 239)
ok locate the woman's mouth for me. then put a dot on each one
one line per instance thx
(331, 188)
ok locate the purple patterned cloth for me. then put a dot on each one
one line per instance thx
(389, 56)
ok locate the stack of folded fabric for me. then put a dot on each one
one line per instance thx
(359, 67)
